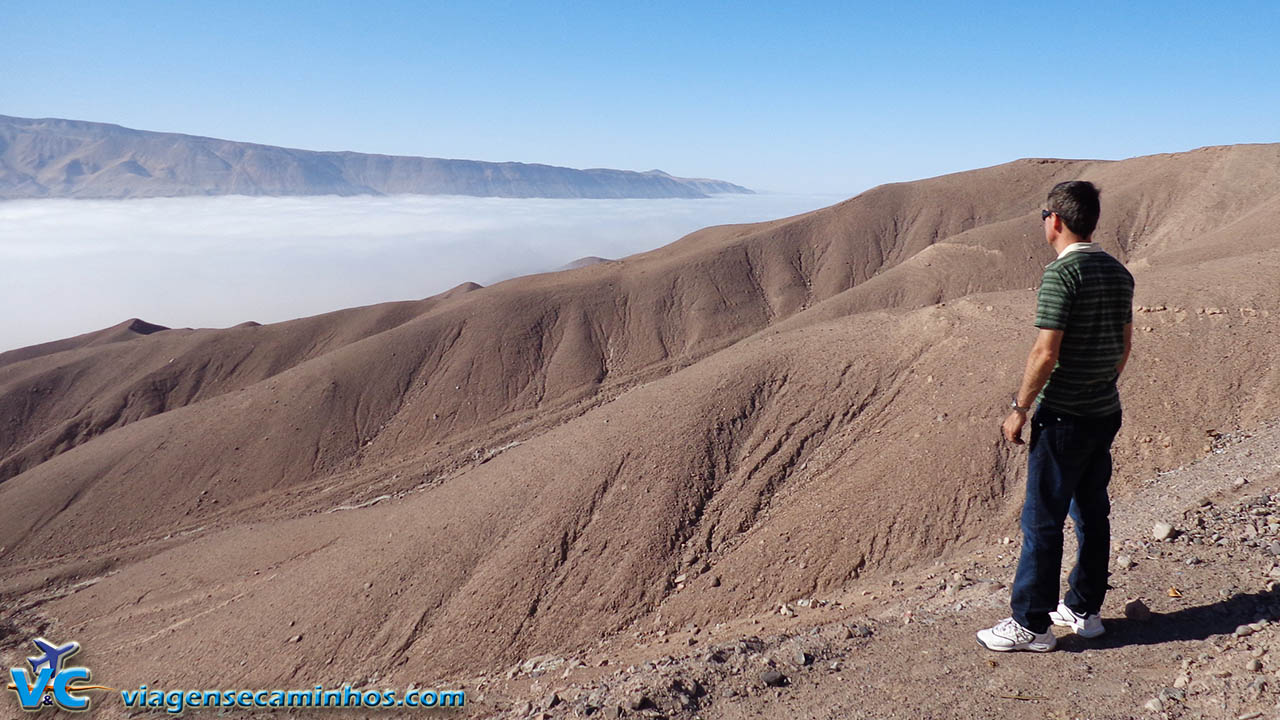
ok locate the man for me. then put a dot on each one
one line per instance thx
(1085, 316)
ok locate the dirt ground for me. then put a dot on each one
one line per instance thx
(906, 649)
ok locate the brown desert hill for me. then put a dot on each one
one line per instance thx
(748, 415)
(583, 262)
(84, 386)
(560, 337)
(677, 307)
(127, 330)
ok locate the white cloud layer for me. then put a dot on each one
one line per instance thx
(71, 266)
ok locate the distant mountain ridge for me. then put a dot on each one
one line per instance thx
(55, 158)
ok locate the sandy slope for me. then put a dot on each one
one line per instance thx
(748, 415)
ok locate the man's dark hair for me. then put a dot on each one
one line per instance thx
(1076, 202)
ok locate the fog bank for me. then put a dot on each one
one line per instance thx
(71, 266)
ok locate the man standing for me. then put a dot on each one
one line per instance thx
(1085, 316)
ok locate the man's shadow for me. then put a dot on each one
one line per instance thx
(1193, 623)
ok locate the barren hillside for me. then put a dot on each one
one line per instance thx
(750, 414)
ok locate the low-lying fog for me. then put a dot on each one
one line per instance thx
(71, 266)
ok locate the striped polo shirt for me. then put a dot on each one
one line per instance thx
(1088, 294)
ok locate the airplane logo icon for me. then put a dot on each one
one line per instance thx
(53, 656)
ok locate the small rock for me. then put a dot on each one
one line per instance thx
(1137, 610)
(1255, 689)
(295, 638)
(1172, 695)
(1254, 665)
(1154, 705)
(1244, 631)
(637, 700)
(688, 688)
(801, 658)
(773, 678)
(859, 631)
(1182, 682)
(1161, 531)
(1124, 562)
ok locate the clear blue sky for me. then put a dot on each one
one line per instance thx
(808, 97)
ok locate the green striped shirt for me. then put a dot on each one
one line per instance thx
(1087, 294)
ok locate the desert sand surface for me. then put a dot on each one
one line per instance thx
(630, 487)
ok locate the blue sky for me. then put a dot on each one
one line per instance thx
(808, 97)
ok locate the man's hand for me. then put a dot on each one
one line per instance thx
(1013, 427)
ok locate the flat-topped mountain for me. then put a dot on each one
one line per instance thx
(54, 158)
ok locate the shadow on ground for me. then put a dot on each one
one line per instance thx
(1193, 623)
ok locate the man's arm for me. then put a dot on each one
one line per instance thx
(1040, 364)
(1128, 345)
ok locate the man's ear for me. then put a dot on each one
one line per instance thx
(1055, 229)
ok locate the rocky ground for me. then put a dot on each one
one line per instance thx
(1192, 631)
(1196, 588)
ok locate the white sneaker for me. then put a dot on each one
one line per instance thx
(1086, 626)
(1008, 635)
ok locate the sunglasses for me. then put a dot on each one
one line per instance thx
(1044, 214)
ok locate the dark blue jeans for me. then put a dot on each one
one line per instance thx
(1068, 471)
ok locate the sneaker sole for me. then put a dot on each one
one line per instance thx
(1028, 648)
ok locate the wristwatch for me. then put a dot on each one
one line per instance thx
(1014, 404)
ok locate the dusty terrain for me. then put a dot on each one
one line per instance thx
(903, 647)
(560, 467)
